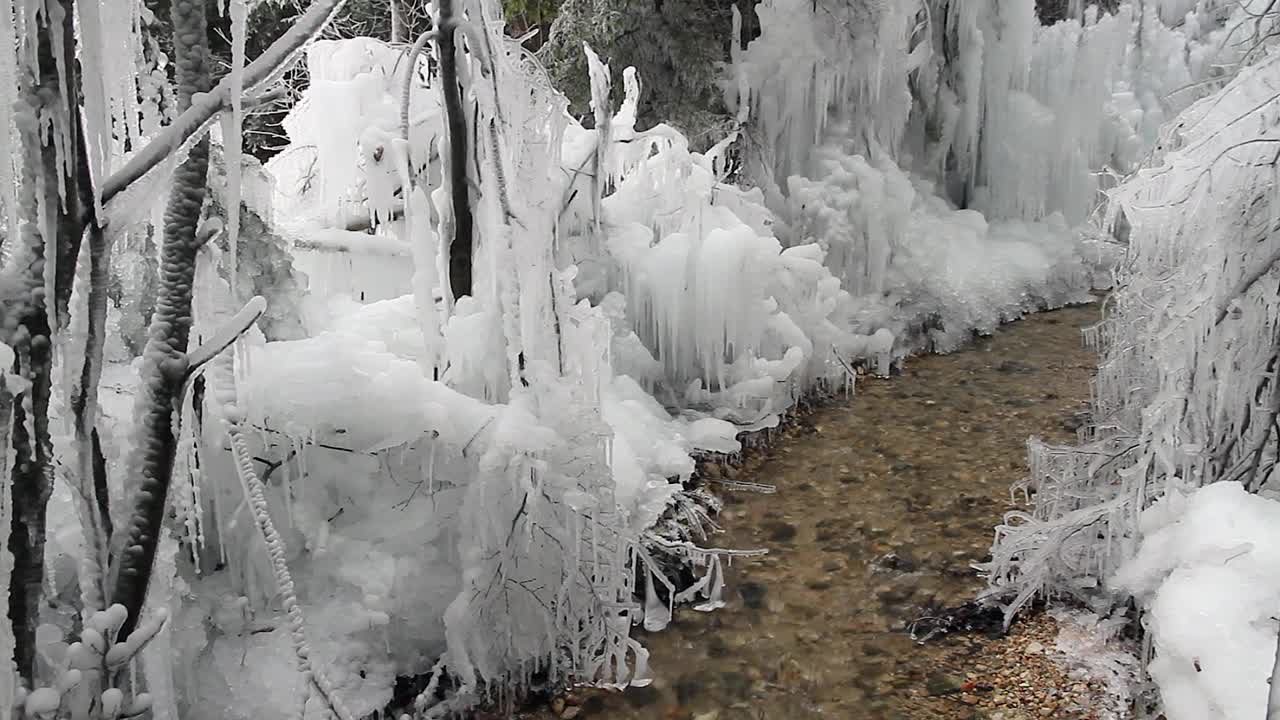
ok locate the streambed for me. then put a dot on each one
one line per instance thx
(884, 499)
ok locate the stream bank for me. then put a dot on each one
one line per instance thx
(884, 499)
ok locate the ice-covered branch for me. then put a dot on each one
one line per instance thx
(96, 516)
(227, 334)
(207, 105)
(414, 52)
(1245, 283)
(164, 361)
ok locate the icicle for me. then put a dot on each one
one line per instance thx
(657, 614)
(97, 110)
(232, 142)
(58, 119)
(158, 653)
(8, 670)
(9, 153)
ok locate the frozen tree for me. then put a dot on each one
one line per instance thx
(57, 207)
(36, 288)
(1186, 393)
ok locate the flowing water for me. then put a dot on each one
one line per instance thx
(883, 501)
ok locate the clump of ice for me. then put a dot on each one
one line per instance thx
(1206, 575)
(1091, 649)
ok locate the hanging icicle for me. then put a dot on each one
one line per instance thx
(232, 142)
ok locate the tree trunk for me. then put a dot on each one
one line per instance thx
(164, 359)
(32, 468)
(460, 245)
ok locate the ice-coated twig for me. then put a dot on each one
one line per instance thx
(222, 376)
(1245, 283)
(407, 91)
(164, 362)
(227, 334)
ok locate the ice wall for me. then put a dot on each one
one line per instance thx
(1009, 118)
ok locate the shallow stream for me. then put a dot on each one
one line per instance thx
(883, 501)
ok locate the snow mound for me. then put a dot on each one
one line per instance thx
(1206, 575)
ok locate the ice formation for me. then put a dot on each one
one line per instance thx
(778, 324)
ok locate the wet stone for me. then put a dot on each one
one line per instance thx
(753, 594)
(1014, 366)
(690, 686)
(779, 531)
(899, 560)
(716, 646)
(940, 683)
(736, 685)
(642, 696)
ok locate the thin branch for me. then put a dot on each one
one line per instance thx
(414, 52)
(1245, 283)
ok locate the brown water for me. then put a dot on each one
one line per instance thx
(884, 500)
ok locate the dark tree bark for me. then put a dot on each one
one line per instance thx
(461, 244)
(164, 359)
(31, 337)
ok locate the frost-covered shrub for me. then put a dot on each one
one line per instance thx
(1185, 394)
(1205, 573)
(740, 326)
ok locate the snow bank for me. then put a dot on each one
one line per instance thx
(1205, 574)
